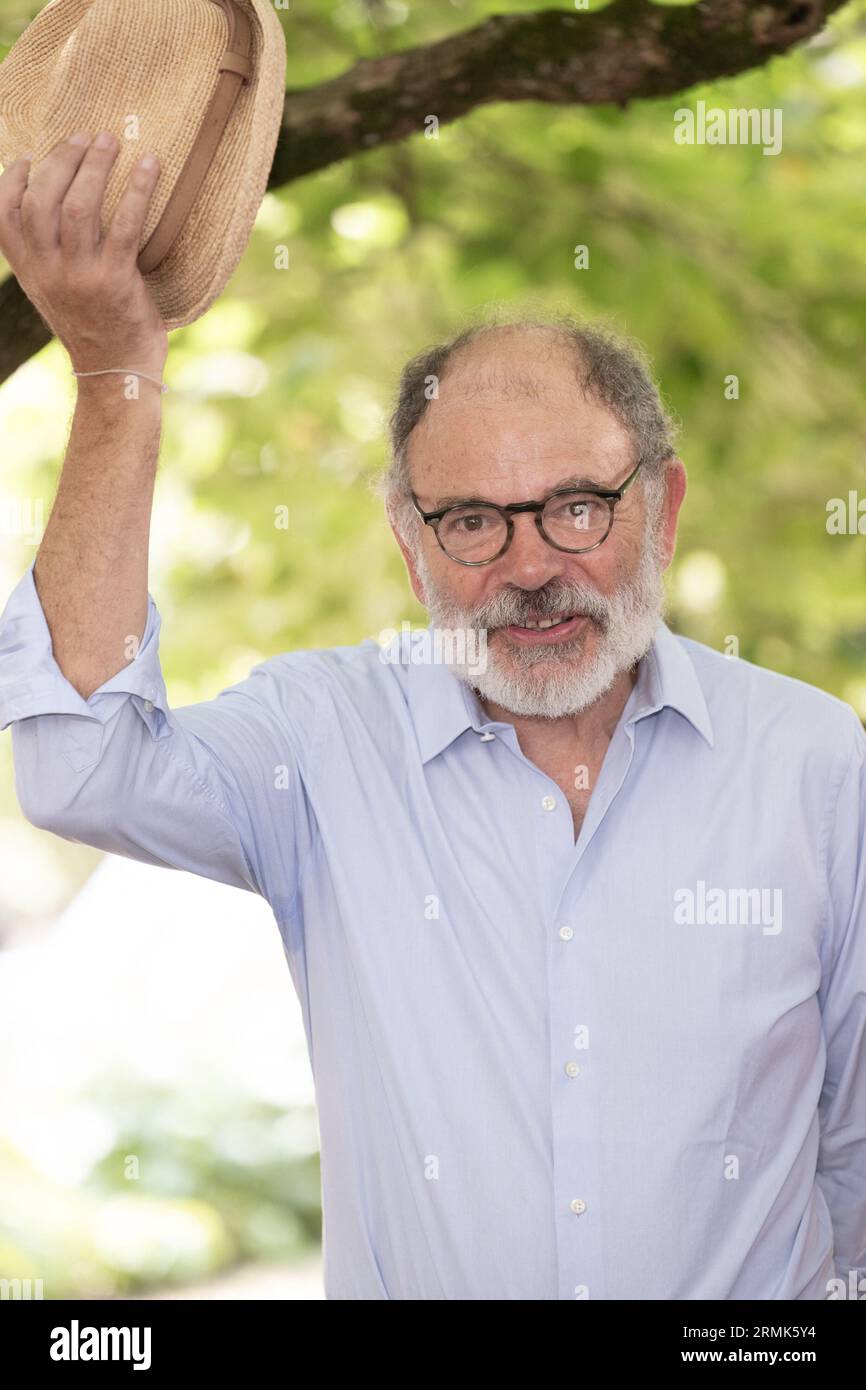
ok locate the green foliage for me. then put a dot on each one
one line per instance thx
(190, 1185)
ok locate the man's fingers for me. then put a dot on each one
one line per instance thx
(96, 302)
(13, 182)
(80, 209)
(45, 191)
(121, 241)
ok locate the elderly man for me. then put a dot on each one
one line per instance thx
(576, 917)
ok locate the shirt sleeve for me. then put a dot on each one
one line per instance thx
(842, 997)
(214, 788)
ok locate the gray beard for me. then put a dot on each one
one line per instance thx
(553, 682)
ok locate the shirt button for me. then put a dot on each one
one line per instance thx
(566, 933)
(486, 737)
(548, 803)
(577, 1206)
(148, 705)
(572, 1069)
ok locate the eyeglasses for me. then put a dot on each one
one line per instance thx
(478, 532)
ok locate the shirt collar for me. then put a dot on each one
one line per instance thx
(443, 707)
(667, 677)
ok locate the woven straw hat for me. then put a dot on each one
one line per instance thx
(199, 82)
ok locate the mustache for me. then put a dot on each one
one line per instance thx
(517, 606)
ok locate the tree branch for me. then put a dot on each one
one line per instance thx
(631, 50)
(24, 332)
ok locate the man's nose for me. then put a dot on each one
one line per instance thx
(529, 560)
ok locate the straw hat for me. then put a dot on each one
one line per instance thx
(199, 82)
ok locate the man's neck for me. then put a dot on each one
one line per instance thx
(590, 728)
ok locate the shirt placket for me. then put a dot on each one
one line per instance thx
(575, 1029)
(577, 1049)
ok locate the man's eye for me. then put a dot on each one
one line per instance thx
(469, 523)
(578, 513)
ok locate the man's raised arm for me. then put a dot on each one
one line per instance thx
(99, 756)
(91, 569)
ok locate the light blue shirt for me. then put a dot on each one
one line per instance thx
(633, 1067)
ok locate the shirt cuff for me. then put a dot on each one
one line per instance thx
(32, 683)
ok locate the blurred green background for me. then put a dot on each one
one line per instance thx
(722, 261)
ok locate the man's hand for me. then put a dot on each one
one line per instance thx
(87, 287)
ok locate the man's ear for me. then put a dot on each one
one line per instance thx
(409, 558)
(675, 491)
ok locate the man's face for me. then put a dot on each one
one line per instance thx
(510, 425)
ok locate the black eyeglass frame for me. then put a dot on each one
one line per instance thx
(508, 509)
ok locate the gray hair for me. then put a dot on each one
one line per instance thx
(610, 368)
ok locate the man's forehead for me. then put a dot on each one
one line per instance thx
(557, 418)
(497, 426)
(572, 454)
